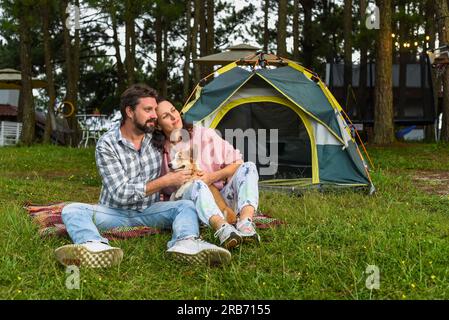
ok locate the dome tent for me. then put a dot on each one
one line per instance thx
(315, 147)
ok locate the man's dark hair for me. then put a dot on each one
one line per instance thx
(131, 96)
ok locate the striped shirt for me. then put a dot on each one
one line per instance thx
(125, 171)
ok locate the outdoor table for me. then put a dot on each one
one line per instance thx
(92, 126)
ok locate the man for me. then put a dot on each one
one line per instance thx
(129, 167)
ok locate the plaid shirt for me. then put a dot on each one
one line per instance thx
(125, 171)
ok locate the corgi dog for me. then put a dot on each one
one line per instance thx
(182, 160)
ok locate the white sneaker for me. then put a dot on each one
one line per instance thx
(197, 251)
(229, 236)
(91, 254)
(247, 230)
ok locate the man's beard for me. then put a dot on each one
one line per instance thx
(144, 127)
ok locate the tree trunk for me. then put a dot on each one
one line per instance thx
(121, 75)
(50, 121)
(164, 70)
(307, 45)
(282, 29)
(296, 30)
(210, 38)
(71, 53)
(75, 81)
(130, 42)
(266, 31)
(28, 118)
(431, 31)
(347, 31)
(362, 92)
(328, 34)
(383, 110)
(403, 59)
(186, 73)
(76, 54)
(159, 39)
(210, 27)
(196, 21)
(442, 13)
(203, 37)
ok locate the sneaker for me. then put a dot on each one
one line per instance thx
(247, 230)
(229, 236)
(197, 251)
(89, 254)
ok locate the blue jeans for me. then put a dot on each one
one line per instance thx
(84, 220)
(240, 191)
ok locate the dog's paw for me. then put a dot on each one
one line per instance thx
(230, 216)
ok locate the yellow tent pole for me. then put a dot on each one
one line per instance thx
(361, 142)
(191, 94)
(220, 71)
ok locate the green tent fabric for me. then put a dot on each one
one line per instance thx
(216, 92)
(315, 145)
(337, 166)
(304, 92)
(292, 83)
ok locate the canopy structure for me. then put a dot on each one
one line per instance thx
(311, 144)
(11, 79)
(234, 53)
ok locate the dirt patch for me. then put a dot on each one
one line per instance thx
(432, 181)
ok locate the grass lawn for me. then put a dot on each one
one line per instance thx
(321, 253)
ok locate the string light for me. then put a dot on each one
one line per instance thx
(427, 38)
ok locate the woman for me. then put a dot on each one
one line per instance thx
(221, 165)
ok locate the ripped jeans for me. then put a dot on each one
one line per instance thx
(83, 221)
(240, 191)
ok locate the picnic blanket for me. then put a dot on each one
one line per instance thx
(48, 218)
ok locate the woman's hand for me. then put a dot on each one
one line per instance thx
(207, 177)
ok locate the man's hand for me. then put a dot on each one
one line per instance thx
(177, 179)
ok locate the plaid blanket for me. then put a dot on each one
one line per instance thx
(48, 218)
